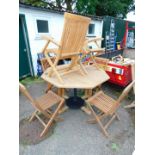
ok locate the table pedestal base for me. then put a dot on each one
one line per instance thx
(75, 102)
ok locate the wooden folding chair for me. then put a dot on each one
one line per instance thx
(94, 41)
(72, 41)
(43, 106)
(106, 106)
(45, 65)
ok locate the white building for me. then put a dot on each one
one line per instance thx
(35, 21)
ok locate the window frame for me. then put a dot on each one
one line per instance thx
(37, 20)
(38, 34)
(91, 34)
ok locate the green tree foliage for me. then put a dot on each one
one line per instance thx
(59, 4)
(116, 8)
(86, 6)
(40, 3)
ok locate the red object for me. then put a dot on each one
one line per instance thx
(127, 29)
(120, 75)
(125, 35)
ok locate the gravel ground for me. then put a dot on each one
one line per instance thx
(74, 136)
(129, 53)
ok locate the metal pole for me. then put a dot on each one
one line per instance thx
(75, 92)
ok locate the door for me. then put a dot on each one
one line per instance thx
(24, 65)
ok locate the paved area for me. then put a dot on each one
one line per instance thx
(129, 53)
(74, 136)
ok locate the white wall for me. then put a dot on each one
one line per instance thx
(98, 30)
(55, 21)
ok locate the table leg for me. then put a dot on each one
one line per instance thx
(49, 87)
(86, 110)
(88, 93)
(61, 92)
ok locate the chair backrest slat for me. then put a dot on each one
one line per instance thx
(23, 89)
(34, 103)
(74, 33)
(122, 96)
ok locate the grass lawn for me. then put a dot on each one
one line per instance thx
(30, 80)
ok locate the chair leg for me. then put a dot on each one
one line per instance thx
(45, 47)
(49, 87)
(99, 122)
(33, 116)
(73, 63)
(83, 69)
(57, 74)
(86, 110)
(58, 119)
(50, 71)
(94, 62)
(110, 121)
(51, 119)
(63, 109)
(93, 121)
(53, 68)
(117, 116)
(132, 105)
(102, 127)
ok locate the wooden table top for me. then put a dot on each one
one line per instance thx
(74, 79)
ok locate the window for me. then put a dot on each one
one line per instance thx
(42, 26)
(91, 29)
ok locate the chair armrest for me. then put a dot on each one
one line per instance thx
(88, 50)
(96, 49)
(52, 50)
(48, 38)
(94, 39)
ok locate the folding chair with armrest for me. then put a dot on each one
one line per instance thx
(72, 41)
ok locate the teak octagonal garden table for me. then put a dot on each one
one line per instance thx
(75, 80)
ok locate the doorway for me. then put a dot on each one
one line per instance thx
(25, 60)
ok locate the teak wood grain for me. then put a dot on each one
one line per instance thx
(43, 105)
(107, 107)
(74, 79)
(71, 44)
